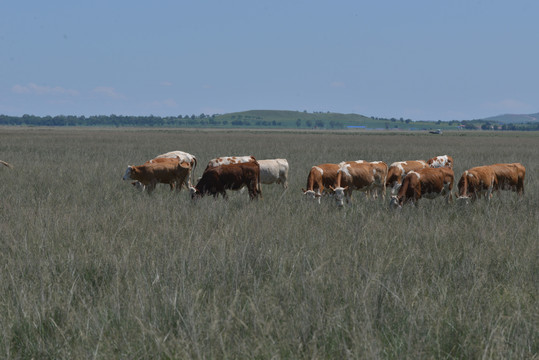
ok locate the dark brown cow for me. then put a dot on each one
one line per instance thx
(320, 178)
(509, 177)
(441, 161)
(476, 182)
(359, 175)
(398, 170)
(428, 182)
(216, 180)
(165, 171)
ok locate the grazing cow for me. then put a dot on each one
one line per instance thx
(398, 170)
(183, 157)
(441, 161)
(428, 182)
(274, 171)
(6, 164)
(476, 182)
(226, 160)
(509, 177)
(320, 178)
(359, 175)
(166, 171)
(216, 180)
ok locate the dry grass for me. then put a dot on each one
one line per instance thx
(93, 269)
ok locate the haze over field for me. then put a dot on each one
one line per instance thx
(421, 60)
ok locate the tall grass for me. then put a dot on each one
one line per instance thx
(90, 268)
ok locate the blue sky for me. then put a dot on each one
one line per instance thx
(424, 60)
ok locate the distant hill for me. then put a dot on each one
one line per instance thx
(513, 118)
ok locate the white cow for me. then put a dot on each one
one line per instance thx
(274, 171)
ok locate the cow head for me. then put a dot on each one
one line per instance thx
(127, 175)
(195, 194)
(311, 194)
(395, 202)
(338, 194)
(138, 185)
(463, 200)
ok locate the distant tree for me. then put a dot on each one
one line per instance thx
(309, 123)
(298, 122)
(408, 121)
(319, 123)
(393, 119)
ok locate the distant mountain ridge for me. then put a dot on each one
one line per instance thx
(514, 118)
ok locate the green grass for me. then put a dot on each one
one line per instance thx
(90, 268)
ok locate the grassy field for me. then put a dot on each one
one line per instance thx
(90, 268)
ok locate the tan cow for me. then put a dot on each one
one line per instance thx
(428, 182)
(182, 157)
(216, 180)
(359, 175)
(441, 161)
(476, 182)
(509, 177)
(165, 171)
(398, 170)
(320, 178)
(274, 171)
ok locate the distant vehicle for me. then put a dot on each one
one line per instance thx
(437, 131)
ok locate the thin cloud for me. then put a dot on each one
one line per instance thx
(338, 84)
(166, 83)
(108, 92)
(165, 103)
(35, 89)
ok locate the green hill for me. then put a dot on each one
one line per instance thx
(514, 118)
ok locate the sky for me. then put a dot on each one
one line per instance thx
(420, 60)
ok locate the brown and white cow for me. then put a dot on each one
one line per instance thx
(476, 182)
(441, 161)
(509, 177)
(216, 180)
(165, 171)
(182, 157)
(359, 175)
(398, 170)
(428, 182)
(274, 171)
(321, 177)
(227, 160)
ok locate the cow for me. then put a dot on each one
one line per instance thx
(183, 157)
(441, 161)
(274, 171)
(398, 170)
(359, 175)
(6, 164)
(428, 182)
(166, 171)
(476, 182)
(509, 177)
(216, 180)
(141, 187)
(320, 178)
(226, 160)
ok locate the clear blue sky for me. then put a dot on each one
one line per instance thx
(424, 60)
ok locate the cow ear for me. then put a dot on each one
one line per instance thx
(332, 188)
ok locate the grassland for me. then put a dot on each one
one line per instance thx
(91, 268)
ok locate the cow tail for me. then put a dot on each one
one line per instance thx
(6, 164)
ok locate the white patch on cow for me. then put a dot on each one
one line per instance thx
(415, 173)
(345, 169)
(319, 170)
(469, 175)
(375, 162)
(359, 161)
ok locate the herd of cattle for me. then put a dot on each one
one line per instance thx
(408, 181)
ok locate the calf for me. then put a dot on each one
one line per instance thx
(217, 180)
(169, 171)
(428, 182)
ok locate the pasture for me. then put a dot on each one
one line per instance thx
(91, 268)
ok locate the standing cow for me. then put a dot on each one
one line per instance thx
(359, 175)
(165, 171)
(274, 171)
(476, 182)
(216, 180)
(398, 170)
(182, 157)
(510, 177)
(428, 182)
(321, 177)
